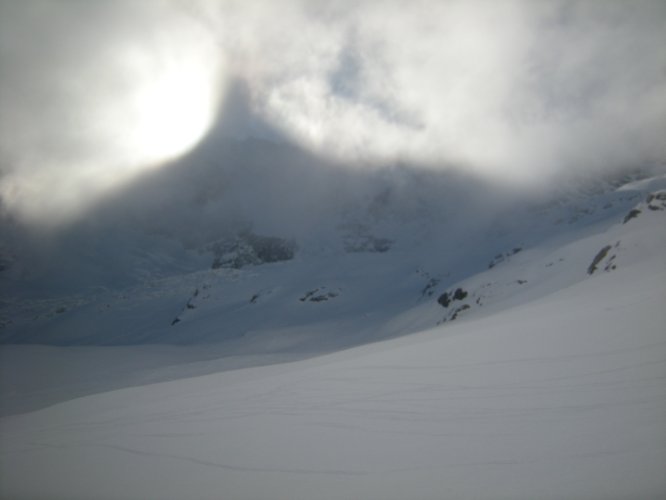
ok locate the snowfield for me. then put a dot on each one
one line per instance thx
(550, 385)
(329, 250)
(561, 398)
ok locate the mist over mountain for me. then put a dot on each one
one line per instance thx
(260, 181)
(298, 249)
(518, 92)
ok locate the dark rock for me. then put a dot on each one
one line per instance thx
(251, 249)
(318, 295)
(658, 195)
(458, 311)
(633, 213)
(308, 294)
(323, 297)
(429, 289)
(501, 257)
(598, 258)
(367, 243)
(610, 266)
(175, 320)
(381, 245)
(271, 249)
(447, 297)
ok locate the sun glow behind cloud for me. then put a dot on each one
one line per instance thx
(94, 93)
(138, 93)
(170, 105)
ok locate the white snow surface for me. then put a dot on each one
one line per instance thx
(550, 385)
(561, 398)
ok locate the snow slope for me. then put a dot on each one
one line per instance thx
(551, 385)
(325, 299)
(561, 398)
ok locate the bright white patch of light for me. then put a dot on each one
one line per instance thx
(176, 114)
(144, 95)
(172, 100)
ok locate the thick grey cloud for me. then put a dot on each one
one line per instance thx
(508, 88)
(515, 90)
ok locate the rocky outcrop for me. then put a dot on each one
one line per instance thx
(501, 257)
(633, 213)
(604, 257)
(369, 244)
(598, 258)
(320, 294)
(429, 288)
(655, 202)
(249, 249)
(188, 306)
(447, 298)
(357, 237)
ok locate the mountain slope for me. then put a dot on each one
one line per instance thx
(561, 397)
(317, 302)
(424, 338)
(371, 258)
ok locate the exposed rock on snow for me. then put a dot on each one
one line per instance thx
(444, 300)
(447, 297)
(501, 257)
(358, 237)
(633, 213)
(655, 202)
(457, 311)
(188, 306)
(602, 256)
(429, 288)
(319, 295)
(251, 249)
(368, 244)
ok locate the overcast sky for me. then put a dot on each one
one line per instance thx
(94, 92)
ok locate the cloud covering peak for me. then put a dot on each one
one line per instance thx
(508, 87)
(515, 90)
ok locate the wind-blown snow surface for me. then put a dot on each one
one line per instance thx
(561, 398)
(552, 384)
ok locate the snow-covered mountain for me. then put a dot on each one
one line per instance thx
(269, 237)
(270, 326)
